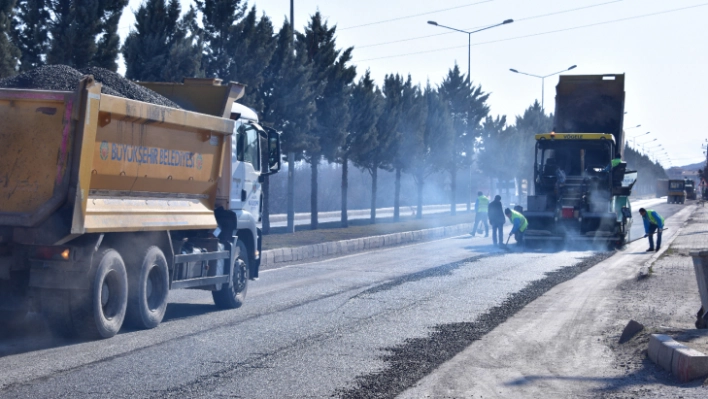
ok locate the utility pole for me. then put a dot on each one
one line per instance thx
(291, 154)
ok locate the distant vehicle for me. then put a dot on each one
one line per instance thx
(108, 203)
(677, 192)
(662, 188)
(690, 189)
(579, 197)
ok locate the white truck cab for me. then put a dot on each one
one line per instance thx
(250, 144)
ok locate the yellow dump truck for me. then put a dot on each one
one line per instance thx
(107, 203)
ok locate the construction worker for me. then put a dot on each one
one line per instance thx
(653, 223)
(481, 207)
(519, 225)
(613, 163)
(496, 219)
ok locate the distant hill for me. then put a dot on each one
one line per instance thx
(694, 166)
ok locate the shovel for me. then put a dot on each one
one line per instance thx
(506, 245)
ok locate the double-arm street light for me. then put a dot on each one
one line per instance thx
(543, 79)
(634, 138)
(469, 39)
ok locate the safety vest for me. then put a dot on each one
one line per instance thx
(650, 215)
(524, 223)
(616, 162)
(482, 204)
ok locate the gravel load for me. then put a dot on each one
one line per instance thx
(417, 357)
(66, 78)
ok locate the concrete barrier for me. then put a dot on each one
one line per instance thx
(683, 362)
(346, 247)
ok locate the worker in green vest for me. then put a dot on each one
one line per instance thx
(481, 208)
(653, 223)
(519, 225)
(614, 162)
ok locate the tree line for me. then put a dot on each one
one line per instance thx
(299, 82)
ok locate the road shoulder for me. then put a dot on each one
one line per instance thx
(564, 343)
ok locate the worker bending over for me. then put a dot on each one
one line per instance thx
(653, 223)
(519, 225)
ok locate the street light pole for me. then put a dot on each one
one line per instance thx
(469, 81)
(634, 138)
(469, 39)
(543, 80)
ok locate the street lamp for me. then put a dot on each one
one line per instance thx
(469, 66)
(469, 39)
(634, 138)
(633, 127)
(543, 78)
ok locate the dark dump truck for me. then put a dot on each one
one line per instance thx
(580, 196)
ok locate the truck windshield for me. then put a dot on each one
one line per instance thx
(573, 157)
(247, 148)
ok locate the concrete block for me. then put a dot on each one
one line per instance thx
(664, 350)
(278, 255)
(688, 364)
(287, 254)
(655, 343)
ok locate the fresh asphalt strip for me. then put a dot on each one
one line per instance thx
(417, 357)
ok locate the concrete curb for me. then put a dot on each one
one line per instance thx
(683, 362)
(356, 245)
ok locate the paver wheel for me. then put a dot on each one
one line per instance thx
(232, 296)
(148, 286)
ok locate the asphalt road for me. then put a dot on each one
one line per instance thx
(307, 330)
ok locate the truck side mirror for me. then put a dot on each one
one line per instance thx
(273, 151)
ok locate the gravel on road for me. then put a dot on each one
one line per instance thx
(418, 357)
(66, 78)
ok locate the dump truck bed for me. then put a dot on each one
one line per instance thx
(86, 162)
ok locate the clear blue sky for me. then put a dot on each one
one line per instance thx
(663, 55)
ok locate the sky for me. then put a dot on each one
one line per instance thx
(659, 45)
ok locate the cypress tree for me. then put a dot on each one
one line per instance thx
(331, 68)
(365, 103)
(219, 19)
(161, 48)
(289, 93)
(32, 33)
(387, 134)
(468, 107)
(8, 51)
(76, 27)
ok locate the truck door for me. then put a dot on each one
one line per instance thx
(245, 169)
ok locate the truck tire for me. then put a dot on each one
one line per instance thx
(148, 286)
(94, 313)
(232, 296)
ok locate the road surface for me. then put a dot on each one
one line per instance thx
(318, 329)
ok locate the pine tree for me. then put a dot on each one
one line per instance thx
(160, 48)
(412, 128)
(185, 56)
(289, 93)
(330, 66)
(387, 134)
(76, 27)
(219, 20)
(8, 51)
(253, 47)
(468, 107)
(32, 33)
(365, 103)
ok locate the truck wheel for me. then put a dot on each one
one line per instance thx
(232, 296)
(94, 313)
(101, 314)
(148, 286)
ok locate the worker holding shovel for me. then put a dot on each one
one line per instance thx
(653, 223)
(519, 224)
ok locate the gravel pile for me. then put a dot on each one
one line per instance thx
(418, 357)
(65, 78)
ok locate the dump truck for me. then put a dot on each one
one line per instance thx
(677, 191)
(690, 187)
(579, 195)
(107, 203)
(662, 188)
